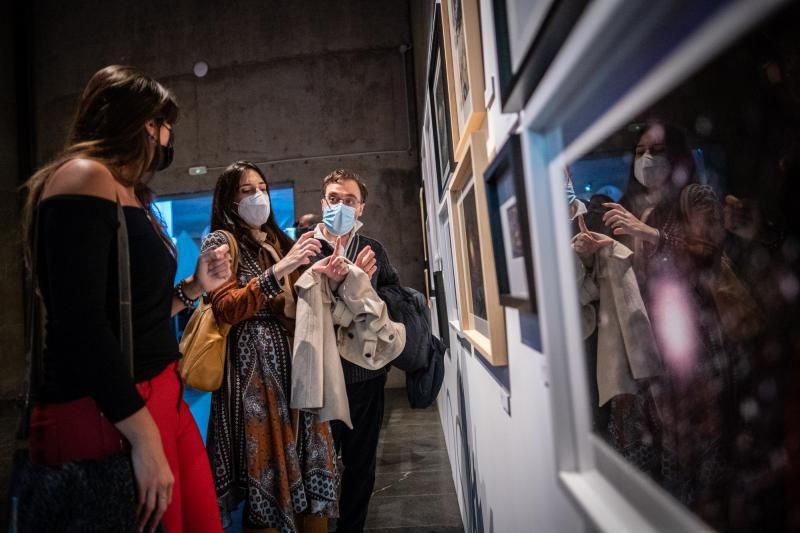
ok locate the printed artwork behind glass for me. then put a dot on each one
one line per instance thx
(474, 260)
(687, 246)
(512, 238)
(460, 59)
(438, 101)
(443, 142)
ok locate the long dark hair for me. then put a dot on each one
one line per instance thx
(683, 169)
(109, 127)
(224, 216)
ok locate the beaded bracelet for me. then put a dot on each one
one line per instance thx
(188, 302)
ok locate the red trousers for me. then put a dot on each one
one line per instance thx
(73, 431)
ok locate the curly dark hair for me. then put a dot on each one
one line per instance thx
(340, 175)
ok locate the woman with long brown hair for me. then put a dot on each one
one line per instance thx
(279, 461)
(89, 406)
(678, 427)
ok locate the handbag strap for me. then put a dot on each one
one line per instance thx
(233, 247)
(35, 351)
(124, 283)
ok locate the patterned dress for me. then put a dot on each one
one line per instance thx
(278, 460)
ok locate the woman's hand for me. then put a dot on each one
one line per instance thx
(589, 242)
(301, 253)
(212, 270)
(624, 223)
(154, 479)
(336, 269)
(367, 261)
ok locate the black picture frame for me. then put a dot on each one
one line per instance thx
(438, 93)
(510, 229)
(517, 86)
(441, 307)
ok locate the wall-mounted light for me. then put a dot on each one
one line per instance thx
(198, 171)
(200, 69)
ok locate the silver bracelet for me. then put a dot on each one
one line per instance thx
(181, 295)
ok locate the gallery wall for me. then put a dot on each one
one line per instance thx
(496, 419)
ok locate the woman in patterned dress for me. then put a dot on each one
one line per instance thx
(281, 462)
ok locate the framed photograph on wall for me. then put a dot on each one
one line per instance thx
(462, 31)
(446, 262)
(482, 317)
(529, 35)
(423, 220)
(441, 307)
(509, 222)
(439, 96)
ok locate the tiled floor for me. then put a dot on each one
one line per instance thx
(414, 487)
(414, 490)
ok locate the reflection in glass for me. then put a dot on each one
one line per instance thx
(515, 253)
(443, 141)
(474, 257)
(687, 255)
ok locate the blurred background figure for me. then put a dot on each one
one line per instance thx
(306, 223)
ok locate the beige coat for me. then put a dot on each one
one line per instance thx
(626, 346)
(365, 336)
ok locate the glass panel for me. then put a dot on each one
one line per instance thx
(187, 221)
(524, 20)
(282, 199)
(447, 265)
(443, 140)
(688, 269)
(474, 262)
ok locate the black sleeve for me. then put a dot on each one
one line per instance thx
(78, 244)
(387, 275)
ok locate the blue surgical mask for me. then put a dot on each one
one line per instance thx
(339, 218)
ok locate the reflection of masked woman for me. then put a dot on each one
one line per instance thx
(672, 257)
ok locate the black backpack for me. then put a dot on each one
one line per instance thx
(422, 358)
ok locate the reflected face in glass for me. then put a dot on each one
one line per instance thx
(474, 255)
(652, 142)
(249, 183)
(692, 351)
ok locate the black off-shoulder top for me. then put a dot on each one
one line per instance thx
(77, 273)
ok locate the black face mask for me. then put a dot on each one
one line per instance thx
(163, 154)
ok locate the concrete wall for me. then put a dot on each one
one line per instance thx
(421, 21)
(299, 87)
(11, 278)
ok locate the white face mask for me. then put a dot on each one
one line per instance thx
(255, 209)
(652, 171)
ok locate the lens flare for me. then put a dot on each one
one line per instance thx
(674, 324)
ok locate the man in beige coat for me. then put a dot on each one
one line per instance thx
(344, 198)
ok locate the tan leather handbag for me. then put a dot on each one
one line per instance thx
(204, 344)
